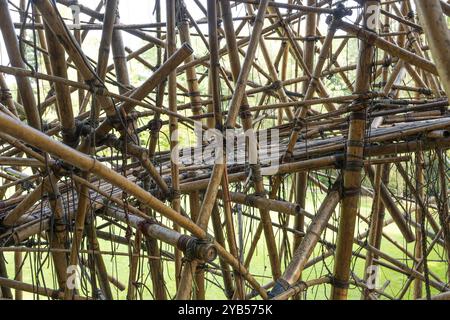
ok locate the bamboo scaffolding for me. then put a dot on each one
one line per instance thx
(221, 123)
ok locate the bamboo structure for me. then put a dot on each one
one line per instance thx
(215, 149)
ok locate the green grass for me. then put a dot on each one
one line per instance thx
(118, 266)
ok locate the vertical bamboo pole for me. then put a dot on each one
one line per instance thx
(134, 261)
(199, 293)
(5, 292)
(78, 38)
(418, 252)
(106, 39)
(83, 191)
(191, 74)
(173, 123)
(120, 57)
(6, 97)
(100, 267)
(354, 163)
(443, 208)
(196, 106)
(375, 228)
(58, 235)
(63, 99)
(302, 177)
(185, 287)
(247, 118)
(284, 74)
(156, 269)
(15, 57)
(110, 15)
(120, 63)
(18, 267)
(435, 26)
(43, 43)
(220, 238)
(239, 292)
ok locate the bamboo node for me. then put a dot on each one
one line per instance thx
(355, 143)
(354, 165)
(358, 116)
(339, 283)
(350, 192)
(245, 113)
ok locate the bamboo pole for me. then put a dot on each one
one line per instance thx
(376, 228)
(353, 165)
(418, 252)
(436, 29)
(204, 214)
(241, 81)
(444, 204)
(54, 294)
(396, 107)
(63, 99)
(302, 178)
(23, 83)
(304, 250)
(246, 118)
(173, 123)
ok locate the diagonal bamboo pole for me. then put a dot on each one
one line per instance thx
(241, 82)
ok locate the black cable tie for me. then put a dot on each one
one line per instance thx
(340, 284)
(155, 125)
(355, 143)
(350, 192)
(280, 286)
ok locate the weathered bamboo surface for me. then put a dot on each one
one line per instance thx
(224, 149)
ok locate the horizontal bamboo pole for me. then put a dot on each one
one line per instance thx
(54, 294)
(285, 207)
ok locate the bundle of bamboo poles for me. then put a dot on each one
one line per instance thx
(237, 149)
